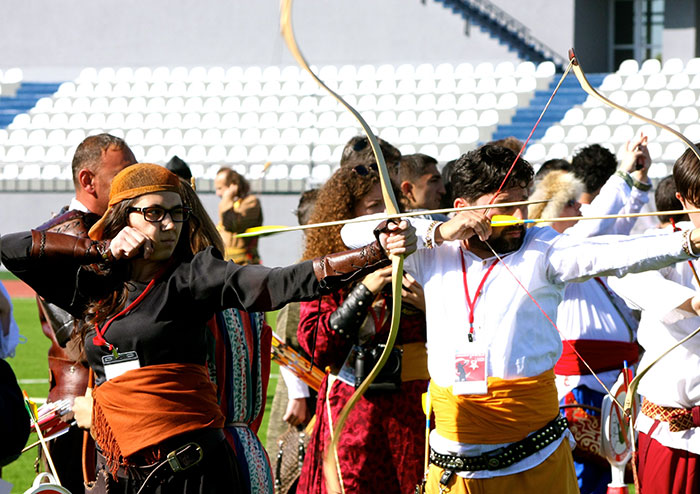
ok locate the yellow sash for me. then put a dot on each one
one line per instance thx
(510, 410)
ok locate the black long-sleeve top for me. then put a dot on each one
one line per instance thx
(168, 325)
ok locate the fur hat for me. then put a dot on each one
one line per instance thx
(558, 187)
(134, 181)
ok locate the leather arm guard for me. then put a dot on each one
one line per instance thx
(347, 319)
(336, 270)
(49, 245)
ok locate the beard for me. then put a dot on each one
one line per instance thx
(502, 242)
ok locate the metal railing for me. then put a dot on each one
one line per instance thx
(495, 14)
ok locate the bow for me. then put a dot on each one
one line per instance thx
(331, 468)
(586, 86)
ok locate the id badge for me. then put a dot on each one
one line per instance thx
(116, 366)
(470, 370)
(347, 371)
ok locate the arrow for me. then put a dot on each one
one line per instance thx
(506, 220)
(261, 231)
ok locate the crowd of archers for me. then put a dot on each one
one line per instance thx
(158, 338)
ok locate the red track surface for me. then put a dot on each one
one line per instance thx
(18, 289)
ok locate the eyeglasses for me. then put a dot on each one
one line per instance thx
(364, 170)
(154, 214)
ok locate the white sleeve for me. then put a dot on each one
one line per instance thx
(358, 234)
(615, 197)
(295, 386)
(570, 260)
(654, 294)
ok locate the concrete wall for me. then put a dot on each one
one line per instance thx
(23, 211)
(680, 37)
(552, 22)
(592, 35)
(67, 35)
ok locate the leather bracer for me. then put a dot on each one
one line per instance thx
(349, 316)
(335, 270)
(49, 245)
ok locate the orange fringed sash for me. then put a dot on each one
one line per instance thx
(146, 406)
(509, 412)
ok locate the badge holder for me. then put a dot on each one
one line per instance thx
(117, 364)
(470, 370)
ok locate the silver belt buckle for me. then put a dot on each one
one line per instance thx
(187, 461)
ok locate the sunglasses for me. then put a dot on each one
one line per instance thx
(155, 214)
(364, 170)
(360, 144)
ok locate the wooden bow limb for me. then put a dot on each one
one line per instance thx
(332, 472)
(260, 231)
(505, 220)
(635, 382)
(586, 86)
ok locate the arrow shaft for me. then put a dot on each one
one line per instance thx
(582, 218)
(364, 219)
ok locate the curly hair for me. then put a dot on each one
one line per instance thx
(593, 165)
(483, 170)
(336, 200)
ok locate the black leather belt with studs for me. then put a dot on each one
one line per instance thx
(506, 456)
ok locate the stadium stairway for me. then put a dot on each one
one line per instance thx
(498, 24)
(28, 93)
(569, 95)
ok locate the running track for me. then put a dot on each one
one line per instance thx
(18, 289)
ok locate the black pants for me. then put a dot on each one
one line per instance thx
(216, 473)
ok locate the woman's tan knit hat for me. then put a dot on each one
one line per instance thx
(134, 181)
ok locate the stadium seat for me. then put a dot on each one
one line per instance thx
(672, 66)
(628, 67)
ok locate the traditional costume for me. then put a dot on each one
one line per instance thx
(245, 213)
(494, 398)
(383, 442)
(669, 434)
(239, 365)
(593, 320)
(157, 419)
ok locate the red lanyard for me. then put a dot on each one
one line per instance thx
(471, 304)
(99, 338)
(378, 320)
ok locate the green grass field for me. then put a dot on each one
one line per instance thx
(31, 367)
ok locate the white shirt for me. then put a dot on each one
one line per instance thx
(296, 388)
(521, 342)
(76, 205)
(674, 381)
(587, 311)
(615, 197)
